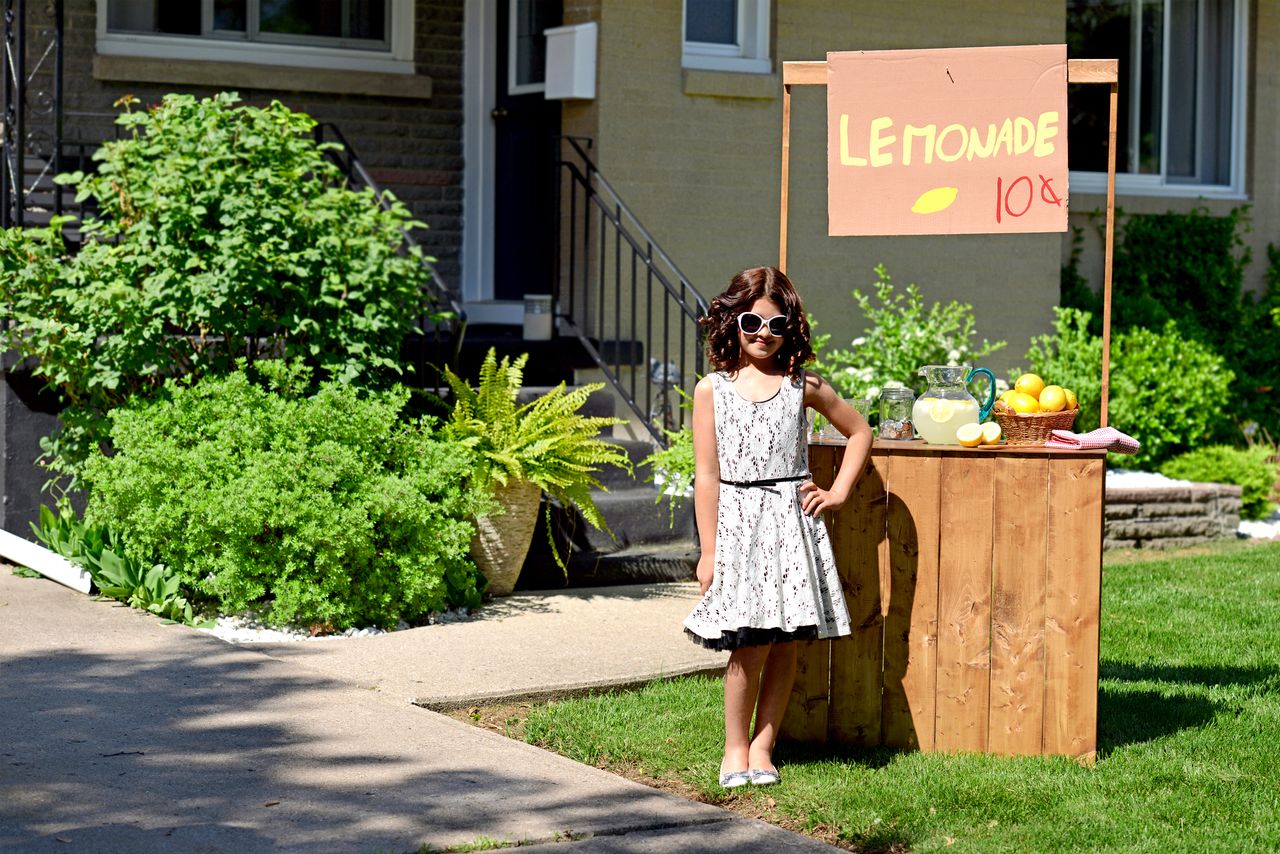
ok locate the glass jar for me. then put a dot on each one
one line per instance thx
(895, 413)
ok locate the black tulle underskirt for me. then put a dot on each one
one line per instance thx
(732, 639)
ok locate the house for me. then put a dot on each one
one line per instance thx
(655, 170)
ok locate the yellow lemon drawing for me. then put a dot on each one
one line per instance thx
(937, 199)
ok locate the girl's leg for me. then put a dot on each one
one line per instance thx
(775, 692)
(741, 686)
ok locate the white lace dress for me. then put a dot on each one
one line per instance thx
(775, 576)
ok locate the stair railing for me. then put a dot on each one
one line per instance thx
(441, 337)
(22, 85)
(623, 297)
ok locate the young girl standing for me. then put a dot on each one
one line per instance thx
(767, 572)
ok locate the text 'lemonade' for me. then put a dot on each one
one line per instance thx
(936, 418)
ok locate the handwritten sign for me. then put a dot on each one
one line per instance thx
(957, 141)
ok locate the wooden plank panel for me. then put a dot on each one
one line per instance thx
(911, 624)
(806, 716)
(964, 603)
(857, 661)
(1017, 605)
(1072, 603)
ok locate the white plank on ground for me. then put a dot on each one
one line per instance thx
(52, 566)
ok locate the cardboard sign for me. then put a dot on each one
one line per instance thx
(957, 141)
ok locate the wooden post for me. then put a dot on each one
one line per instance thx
(786, 174)
(1111, 230)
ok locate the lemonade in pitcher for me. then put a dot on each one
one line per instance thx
(947, 404)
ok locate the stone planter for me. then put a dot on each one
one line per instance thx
(1169, 517)
(501, 542)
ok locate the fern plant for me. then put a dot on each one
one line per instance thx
(545, 442)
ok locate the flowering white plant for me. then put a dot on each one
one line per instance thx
(901, 337)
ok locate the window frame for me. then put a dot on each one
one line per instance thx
(750, 55)
(514, 87)
(1158, 185)
(397, 58)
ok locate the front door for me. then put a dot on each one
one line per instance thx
(525, 126)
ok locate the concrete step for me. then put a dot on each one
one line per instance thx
(615, 478)
(639, 516)
(633, 565)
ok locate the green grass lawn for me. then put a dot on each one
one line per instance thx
(1189, 737)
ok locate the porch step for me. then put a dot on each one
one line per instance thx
(634, 565)
(638, 515)
(550, 362)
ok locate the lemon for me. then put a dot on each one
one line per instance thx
(1004, 396)
(1024, 404)
(1053, 399)
(1072, 403)
(969, 435)
(990, 433)
(937, 199)
(1029, 384)
(941, 410)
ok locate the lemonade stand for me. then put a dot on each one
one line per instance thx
(972, 574)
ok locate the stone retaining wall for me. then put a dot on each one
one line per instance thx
(1165, 517)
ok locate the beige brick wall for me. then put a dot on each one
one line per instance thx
(697, 156)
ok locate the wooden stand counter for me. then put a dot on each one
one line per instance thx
(972, 577)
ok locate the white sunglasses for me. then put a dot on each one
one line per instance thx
(750, 323)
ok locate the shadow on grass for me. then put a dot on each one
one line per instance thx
(1130, 715)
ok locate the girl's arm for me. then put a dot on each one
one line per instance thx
(706, 478)
(819, 394)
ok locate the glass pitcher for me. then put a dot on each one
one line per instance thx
(946, 403)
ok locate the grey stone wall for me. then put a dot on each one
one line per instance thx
(1171, 516)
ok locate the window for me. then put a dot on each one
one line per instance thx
(527, 45)
(370, 35)
(727, 35)
(1180, 127)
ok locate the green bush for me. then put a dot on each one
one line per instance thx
(223, 233)
(313, 509)
(1253, 469)
(901, 337)
(1168, 392)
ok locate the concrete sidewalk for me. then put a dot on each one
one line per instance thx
(122, 734)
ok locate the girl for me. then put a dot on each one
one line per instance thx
(767, 572)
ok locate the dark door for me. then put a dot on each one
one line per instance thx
(525, 127)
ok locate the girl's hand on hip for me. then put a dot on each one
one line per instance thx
(706, 571)
(814, 499)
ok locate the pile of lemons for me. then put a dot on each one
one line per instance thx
(1030, 395)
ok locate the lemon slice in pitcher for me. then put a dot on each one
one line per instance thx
(941, 410)
(969, 435)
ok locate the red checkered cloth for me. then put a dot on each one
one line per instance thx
(1102, 439)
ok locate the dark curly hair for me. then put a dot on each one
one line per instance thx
(721, 320)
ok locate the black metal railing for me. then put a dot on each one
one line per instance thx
(32, 151)
(623, 298)
(443, 331)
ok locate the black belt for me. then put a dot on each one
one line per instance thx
(773, 481)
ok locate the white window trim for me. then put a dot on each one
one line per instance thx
(397, 60)
(514, 88)
(750, 55)
(1157, 186)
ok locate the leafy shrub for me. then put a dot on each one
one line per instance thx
(153, 588)
(314, 509)
(223, 233)
(1167, 391)
(1253, 469)
(901, 336)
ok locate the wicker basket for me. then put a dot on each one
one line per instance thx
(501, 542)
(1031, 429)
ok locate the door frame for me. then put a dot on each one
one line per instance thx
(479, 85)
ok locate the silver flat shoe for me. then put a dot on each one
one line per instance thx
(761, 777)
(734, 779)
